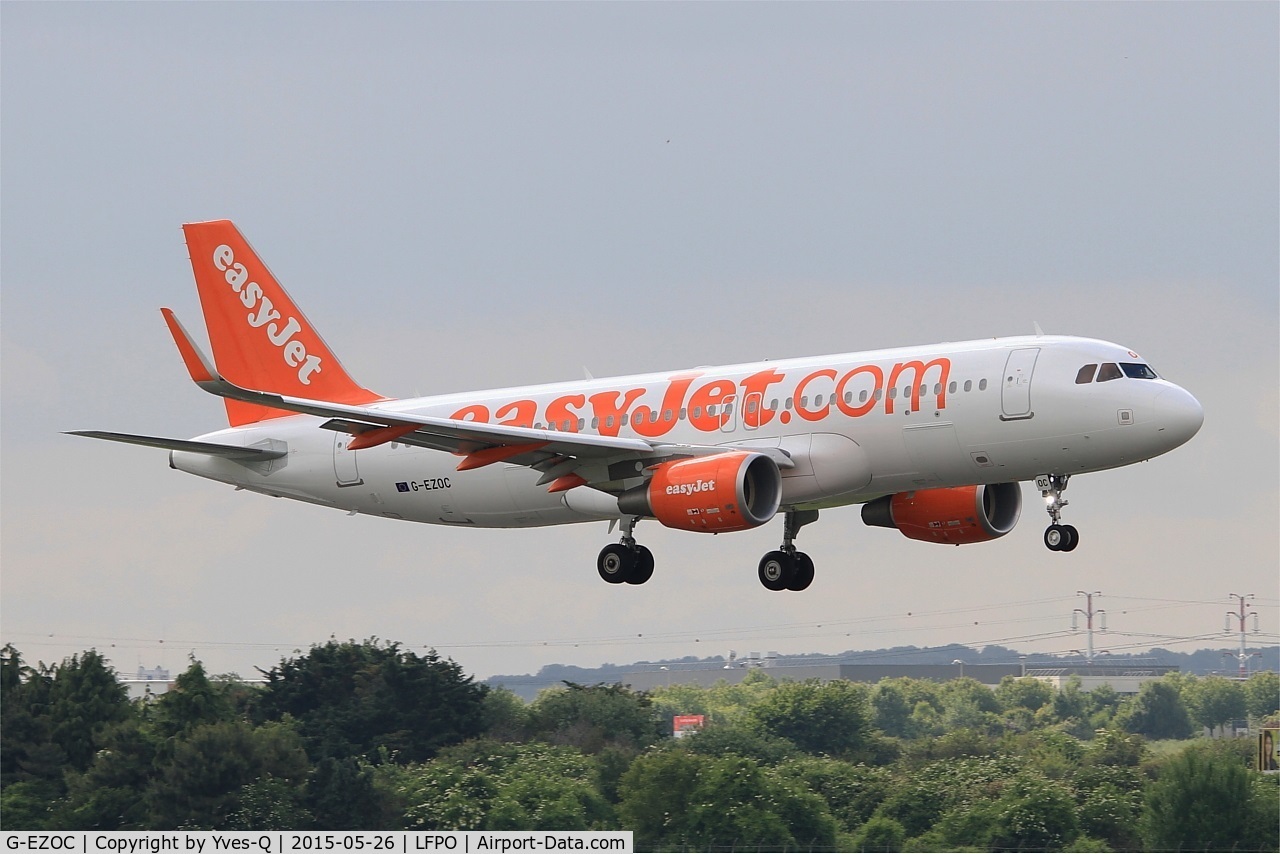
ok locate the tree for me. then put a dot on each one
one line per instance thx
(880, 834)
(852, 792)
(743, 739)
(201, 787)
(591, 717)
(1212, 701)
(340, 795)
(1201, 801)
(1035, 813)
(192, 701)
(27, 753)
(1262, 694)
(1157, 712)
(371, 699)
(488, 785)
(1025, 693)
(831, 718)
(673, 798)
(84, 697)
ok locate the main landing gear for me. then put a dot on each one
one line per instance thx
(1057, 537)
(628, 561)
(786, 568)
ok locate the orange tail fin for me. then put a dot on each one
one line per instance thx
(260, 339)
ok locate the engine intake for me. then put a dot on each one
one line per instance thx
(956, 515)
(725, 492)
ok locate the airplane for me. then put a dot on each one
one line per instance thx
(933, 441)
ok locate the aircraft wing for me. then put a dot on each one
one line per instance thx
(555, 453)
(231, 452)
(376, 424)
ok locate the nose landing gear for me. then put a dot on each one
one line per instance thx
(627, 561)
(1057, 537)
(786, 568)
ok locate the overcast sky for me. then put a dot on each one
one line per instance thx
(479, 195)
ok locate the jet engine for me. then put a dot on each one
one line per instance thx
(957, 515)
(732, 491)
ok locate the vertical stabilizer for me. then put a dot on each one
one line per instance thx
(260, 339)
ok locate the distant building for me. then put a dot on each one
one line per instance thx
(153, 682)
(1125, 679)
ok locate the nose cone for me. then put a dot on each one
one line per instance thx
(1177, 416)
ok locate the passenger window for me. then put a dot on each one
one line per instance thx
(582, 424)
(879, 394)
(951, 389)
(790, 402)
(666, 416)
(804, 401)
(697, 412)
(968, 385)
(1086, 374)
(1137, 372)
(862, 396)
(982, 385)
(608, 421)
(595, 423)
(893, 393)
(817, 401)
(1109, 372)
(751, 406)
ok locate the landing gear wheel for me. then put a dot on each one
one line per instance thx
(776, 570)
(1060, 538)
(616, 563)
(803, 576)
(643, 569)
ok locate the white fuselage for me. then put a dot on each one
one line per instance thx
(856, 426)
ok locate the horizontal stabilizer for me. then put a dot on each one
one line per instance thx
(231, 452)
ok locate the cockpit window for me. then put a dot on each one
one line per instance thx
(1086, 374)
(1109, 371)
(1137, 372)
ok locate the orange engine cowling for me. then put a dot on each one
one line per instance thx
(958, 515)
(732, 491)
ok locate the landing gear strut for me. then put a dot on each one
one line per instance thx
(1057, 537)
(786, 568)
(627, 561)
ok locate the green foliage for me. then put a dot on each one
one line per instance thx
(200, 787)
(1157, 712)
(1115, 747)
(681, 800)
(1035, 813)
(591, 717)
(880, 834)
(786, 765)
(488, 785)
(852, 792)
(1212, 701)
(192, 701)
(84, 697)
(373, 700)
(340, 794)
(831, 718)
(1201, 800)
(1025, 693)
(741, 739)
(1262, 694)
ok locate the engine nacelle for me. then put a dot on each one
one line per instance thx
(957, 515)
(723, 492)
